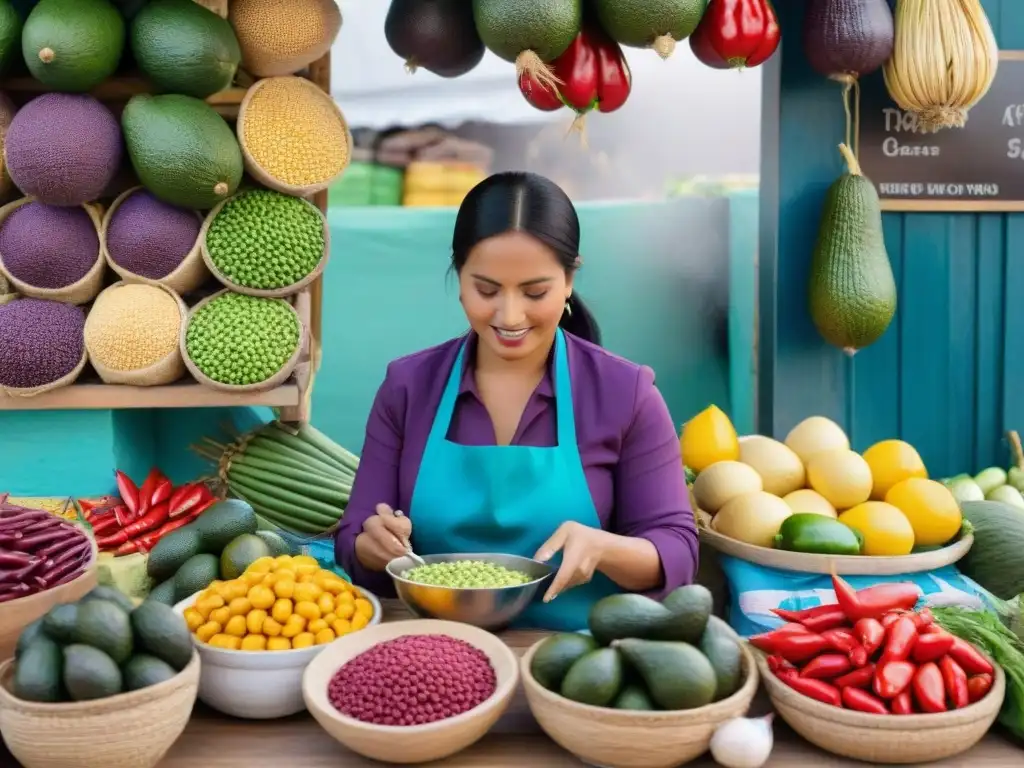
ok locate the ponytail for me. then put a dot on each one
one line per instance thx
(579, 321)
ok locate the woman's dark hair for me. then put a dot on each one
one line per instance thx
(526, 202)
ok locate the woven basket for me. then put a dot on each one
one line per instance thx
(84, 290)
(885, 739)
(272, 293)
(263, 63)
(63, 381)
(130, 730)
(264, 177)
(18, 614)
(273, 382)
(220, 7)
(186, 277)
(168, 370)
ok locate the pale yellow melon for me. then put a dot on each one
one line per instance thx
(814, 435)
(811, 502)
(842, 477)
(753, 517)
(723, 481)
(780, 468)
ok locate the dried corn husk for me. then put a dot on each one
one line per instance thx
(944, 60)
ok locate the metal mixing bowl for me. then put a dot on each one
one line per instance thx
(491, 608)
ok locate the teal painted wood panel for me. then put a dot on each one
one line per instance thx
(945, 375)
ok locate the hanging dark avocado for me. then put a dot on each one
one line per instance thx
(437, 35)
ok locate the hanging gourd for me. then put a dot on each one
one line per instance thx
(944, 60)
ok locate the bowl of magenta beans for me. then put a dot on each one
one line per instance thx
(411, 691)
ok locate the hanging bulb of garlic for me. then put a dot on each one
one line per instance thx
(743, 742)
(944, 60)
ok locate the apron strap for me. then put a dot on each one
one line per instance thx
(446, 408)
(565, 413)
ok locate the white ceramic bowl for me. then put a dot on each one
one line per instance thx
(257, 685)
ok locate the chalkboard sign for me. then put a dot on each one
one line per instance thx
(979, 167)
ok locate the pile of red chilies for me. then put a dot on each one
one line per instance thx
(871, 652)
(144, 514)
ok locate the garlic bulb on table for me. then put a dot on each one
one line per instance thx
(743, 742)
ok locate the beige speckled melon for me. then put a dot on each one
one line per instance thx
(280, 38)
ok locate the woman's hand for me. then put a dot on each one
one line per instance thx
(582, 550)
(385, 536)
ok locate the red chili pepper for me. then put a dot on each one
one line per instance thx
(814, 689)
(874, 602)
(858, 678)
(929, 690)
(538, 95)
(843, 639)
(149, 540)
(978, 686)
(777, 663)
(129, 493)
(797, 617)
(891, 618)
(834, 618)
(970, 658)
(925, 618)
(796, 647)
(147, 489)
(903, 704)
(870, 633)
(827, 666)
(156, 517)
(736, 33)
(893, 678)
(182, 503)
(799, 629)
(861, 701)
(162, 493)
(955, 680)
(931, 647)
(105, 525)
(900, 641)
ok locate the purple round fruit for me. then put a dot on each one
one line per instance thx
(40, 342)
(47, 246)
(63, 148)
(149, 237)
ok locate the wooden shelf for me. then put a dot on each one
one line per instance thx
(184, 395)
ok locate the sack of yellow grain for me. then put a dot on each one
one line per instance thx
(943, 61)
(282, 38)
(133, 333)
(294, 138)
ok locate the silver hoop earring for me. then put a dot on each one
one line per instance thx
(568, 309)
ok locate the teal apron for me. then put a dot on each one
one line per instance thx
(508, 499)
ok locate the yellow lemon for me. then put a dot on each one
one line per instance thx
(842, 477)
(708, 437)
(930, 507)
(892, 461)
(810, 502)
(886, 530)
(814, 435)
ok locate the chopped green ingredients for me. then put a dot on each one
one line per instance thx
(265, 240)
(238, 340)
(466, 574)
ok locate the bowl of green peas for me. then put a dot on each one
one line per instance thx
(486, 590)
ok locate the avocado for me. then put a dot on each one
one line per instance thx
(627, 614)
(438, 35)
(223, 522)
(657, 24)
(90, 674)
(142, 671)
(197, 573)
(690, 606)
(721, 647)
(38, 675)
(634, 697)
(817, 534)
(555, 655)
(677, 675)
(160, 631)
(852, 292)
(10, 35)
(278, 546)
(105, 625)
(73, 45)
(242, 552)
(28, 635)
(129, 8)
(171, 552)
(184, 47)
(59, 622)
(595, 678)
(181, 150)
(111, 594)
(510, 27)
(163, 592)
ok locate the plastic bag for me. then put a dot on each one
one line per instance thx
(754, 590)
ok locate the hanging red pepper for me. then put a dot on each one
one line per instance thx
(968, 657)
(862, 701)
(129, 493)
(538, 95)
(900, 641)
(858, 678)
(826, 666)
(929, 690)
(156, 517)
(871, 634)
(736, 33)
(955, 679)
(893, 678)
(796, 647)
(873, 602)
(931, 647)
(814, 689)
(978, 686)
(903, 704)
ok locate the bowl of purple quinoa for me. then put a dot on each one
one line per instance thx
(42, 346)
(411, 691)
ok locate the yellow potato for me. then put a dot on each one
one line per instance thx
(359, 621)
(303, 640)
(254, 643)
(271, 628)
(239, 606)
(235, 626)
(221, 615)
(226, 641)
(194, 619)
(324, 636)
(279, 644)
(307, 610)
(282, 610)
(261, 597)
(208, 630)
(254, 621)
(341, 627)
(365, 607)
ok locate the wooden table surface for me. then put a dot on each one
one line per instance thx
(217, 741)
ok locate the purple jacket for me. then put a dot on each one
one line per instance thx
(627, 441)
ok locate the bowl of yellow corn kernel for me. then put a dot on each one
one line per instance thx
(256, 634)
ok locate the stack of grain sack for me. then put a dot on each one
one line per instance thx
(440, 168)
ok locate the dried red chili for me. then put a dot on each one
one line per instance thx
(129, 492)
(893, 678)
(827, 666)
(153, 519)
(146, 490)
(970, 658)
(858, 678)
(796, 647)
(955, 680)
(814, 689)
(929, 690)
(931, 647)
(861, 701)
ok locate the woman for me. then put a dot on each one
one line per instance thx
(524, 436)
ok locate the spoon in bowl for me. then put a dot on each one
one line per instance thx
(409, 553)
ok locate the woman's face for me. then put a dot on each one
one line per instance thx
(513, 290)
